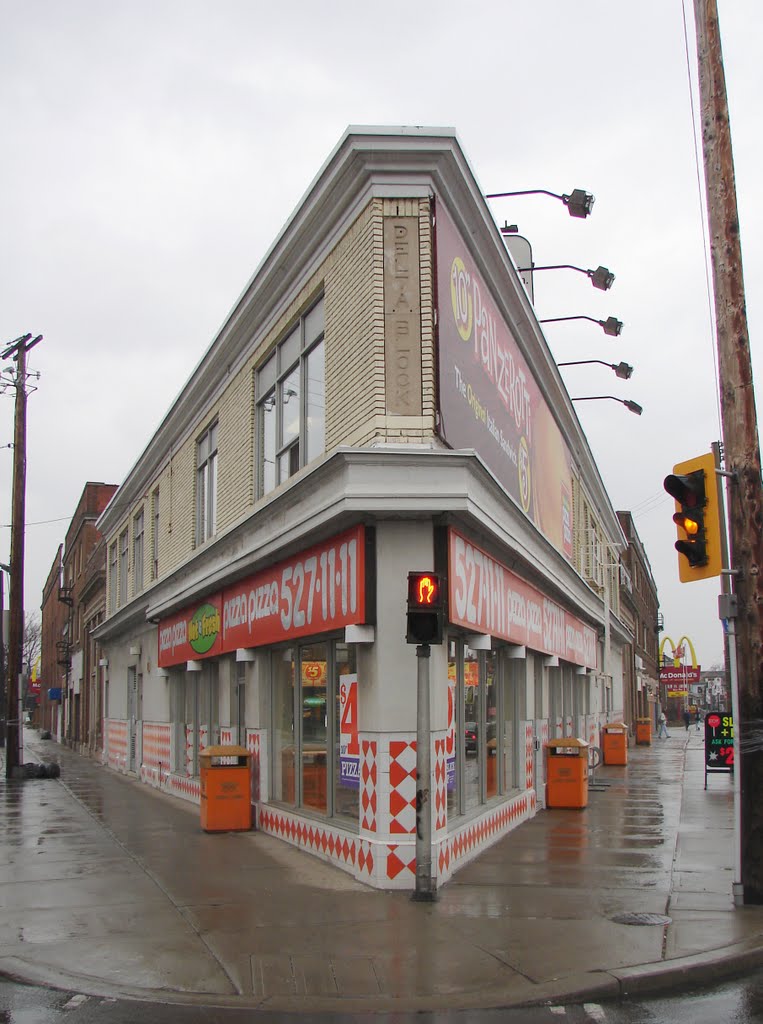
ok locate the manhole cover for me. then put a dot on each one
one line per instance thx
(641, 919)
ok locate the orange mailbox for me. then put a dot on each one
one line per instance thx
(226, 804)
(644, 731)
(567, 772)
(614, 743)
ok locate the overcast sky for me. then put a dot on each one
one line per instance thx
(151, 152)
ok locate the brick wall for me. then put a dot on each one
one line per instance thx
(352, 280)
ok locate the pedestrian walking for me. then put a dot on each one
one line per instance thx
(687, 719)
(697, 720)
(663, 730)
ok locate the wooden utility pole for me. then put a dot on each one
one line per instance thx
(740, 436)
(17, 350)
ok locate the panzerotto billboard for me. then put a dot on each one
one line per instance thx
(485, 596)
(320, 589)
(489, 399)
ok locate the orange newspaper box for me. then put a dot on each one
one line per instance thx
(614, 743)
(567, 772)
(644, 731)
(226, 804)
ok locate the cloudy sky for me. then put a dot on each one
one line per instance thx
(153, 150)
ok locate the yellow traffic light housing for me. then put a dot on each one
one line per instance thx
(693, 485)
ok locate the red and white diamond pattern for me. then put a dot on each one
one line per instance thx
(189, 789)
(440, 786)
(226, 735)
(402, 787)
(117, 744)
(465, 844)
(325, 842)
(254, 744)
(529, 756)
(593, 730)
(155, 761)
(369, 790)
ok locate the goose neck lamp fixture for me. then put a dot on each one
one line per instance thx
(601, 278)
(579, 203)
(623, 370)
(611, 326)
(632, 406)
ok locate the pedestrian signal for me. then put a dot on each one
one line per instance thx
(694, 487)
(425, 608)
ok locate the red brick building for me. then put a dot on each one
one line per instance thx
(72, 605)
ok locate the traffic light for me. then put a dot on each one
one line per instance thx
(693, 485)
(425, 608)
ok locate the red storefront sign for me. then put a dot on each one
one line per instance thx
(682, 674)
(320, 589)
(486, 597)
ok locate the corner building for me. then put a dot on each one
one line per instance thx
(381, 399)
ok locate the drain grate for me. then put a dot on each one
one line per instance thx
(642, 919)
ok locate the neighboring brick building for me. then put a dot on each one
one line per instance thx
(381, 399)
(73, 604)
(640, 608)
(54, 622)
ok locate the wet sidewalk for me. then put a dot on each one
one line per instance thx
(109, 887)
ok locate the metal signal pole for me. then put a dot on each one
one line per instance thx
(740, 436)
(17, 350)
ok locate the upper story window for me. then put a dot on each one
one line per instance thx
(137, 552)
(291, 403)
(113, 583)
(123, 552)
(206, 485)
(155, 536)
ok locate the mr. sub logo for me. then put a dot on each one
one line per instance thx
(204, 628)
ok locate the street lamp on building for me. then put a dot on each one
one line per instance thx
(632, 406)
(622, 370)
(611, 326)
(601, 278)
(579, 203)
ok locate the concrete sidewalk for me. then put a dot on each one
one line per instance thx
(108, 887)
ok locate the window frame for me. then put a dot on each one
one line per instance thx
(155, 534)
(124, 563)
(340, 807)
(138, 548)
(206, 483)
(113, 577)
(274, 387)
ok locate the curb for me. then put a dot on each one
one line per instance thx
(651, 979)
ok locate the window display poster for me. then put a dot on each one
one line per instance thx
(450, 736)
(349, 747)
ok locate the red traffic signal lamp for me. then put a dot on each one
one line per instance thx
(693, 485)
(424, 623)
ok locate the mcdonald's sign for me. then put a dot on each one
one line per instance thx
(679, 673)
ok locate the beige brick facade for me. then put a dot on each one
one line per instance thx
(351, 279)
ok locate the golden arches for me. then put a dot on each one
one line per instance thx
(677, 650)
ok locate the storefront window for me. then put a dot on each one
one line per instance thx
(317, 755)
(472, 721)
(284, 739)
(491, 721)
(482, 761)
(313, 661)
(512, 679)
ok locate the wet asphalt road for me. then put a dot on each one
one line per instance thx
(737, 1002)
